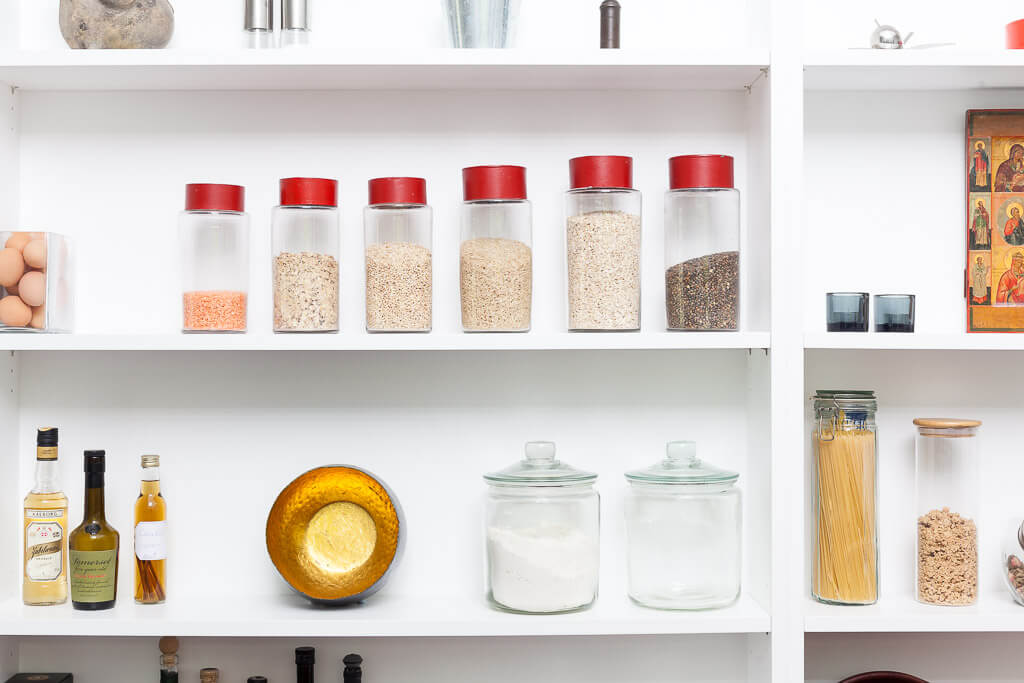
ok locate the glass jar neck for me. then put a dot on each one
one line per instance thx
(95, 505)
(47, 477)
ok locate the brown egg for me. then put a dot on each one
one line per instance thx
(35, 253)
(18, 240)
(14, 312)
(38, 317)
(12, 266)
(32, 288)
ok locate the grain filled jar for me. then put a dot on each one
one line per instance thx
(603, 244)
(542, 531)
(399, 274)
(306, 260)
(844, 438)
(702, 244)
(495, 258)
(213, 234)
(946, 503)
(683, 527)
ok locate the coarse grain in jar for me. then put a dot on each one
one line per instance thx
(399, 267)
(495, 257)
(213, 236)
(603, 244)
(542, 528)
(306, 267)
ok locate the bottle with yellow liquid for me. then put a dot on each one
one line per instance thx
(45, 580)
(150, 536)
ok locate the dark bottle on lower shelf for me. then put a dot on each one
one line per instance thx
(168, 659)
(305, 657)
(93, 546)
(256, 679)
(353, 672)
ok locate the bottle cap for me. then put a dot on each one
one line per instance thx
(700, 170)
(168, 645)
(398, 191)
(151, 461)
(493, 182)
(209, 675)
(46, 436)
(309, 192)
(95, 462)
(214, 197)
(601, 171)
(259, 15)
(295, 14)
(256, 679)
(305, 655)
(352, 673)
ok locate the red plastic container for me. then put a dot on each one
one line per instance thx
(1015, 35)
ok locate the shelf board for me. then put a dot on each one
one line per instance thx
(361, 341)
(384, 615)
(929, 69)
(993, 613)
(914, 341)
(317, 69)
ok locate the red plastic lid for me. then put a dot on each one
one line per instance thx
(1015, 35)
(214, 197)
(601, 171)
(398, 191)
(700, 170)
(309, 192)
(493, 182)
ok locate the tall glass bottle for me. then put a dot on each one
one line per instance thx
(94, 544)
(150, 536)
(305, 657)
(46, 526)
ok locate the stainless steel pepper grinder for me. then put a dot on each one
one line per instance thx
(295, 23)
(610, 16)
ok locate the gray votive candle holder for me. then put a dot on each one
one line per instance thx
(846, 311)
(894, 313)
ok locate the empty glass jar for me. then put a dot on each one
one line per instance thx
(305, 246)
(214, 239)
(702, 244)
(495, 258)
(683, 527)
(603, 244)
(399, 271)
(947, 478)
(542, 528)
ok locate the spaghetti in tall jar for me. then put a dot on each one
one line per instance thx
(845, 570)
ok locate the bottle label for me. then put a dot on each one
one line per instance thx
(46, 453)
(151, 540)
(44, 542)
(93, 575)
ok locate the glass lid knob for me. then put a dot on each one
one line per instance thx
(681, 453)
(540, 452)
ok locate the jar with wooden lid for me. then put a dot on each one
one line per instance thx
(946, 505)
(845, 440)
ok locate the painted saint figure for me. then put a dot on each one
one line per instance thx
(1011, 284)
(1010, 175)
(1013, 229)
(979, 282)
(979, 227)
(979, 167)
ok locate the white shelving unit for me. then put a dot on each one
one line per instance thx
(849, 163)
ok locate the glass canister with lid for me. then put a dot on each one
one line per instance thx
(683, 529)
(542, 528)
(844, 436)
(946, 495)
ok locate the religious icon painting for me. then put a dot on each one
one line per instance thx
(994, 220)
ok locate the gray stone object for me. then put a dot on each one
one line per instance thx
(116, 24)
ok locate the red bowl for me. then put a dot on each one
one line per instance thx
(883, 677)
(1015, 35)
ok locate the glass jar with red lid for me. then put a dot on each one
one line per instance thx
(495, 257)
(214, 242)
(399, 271)
(603, 244)
(305, 256)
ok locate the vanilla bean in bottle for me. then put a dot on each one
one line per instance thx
(150, 536)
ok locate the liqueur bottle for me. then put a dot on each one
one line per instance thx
(45, 531)
(305, 657)
(353, 672)
(150, 536)
(168, 659)
(94, 544)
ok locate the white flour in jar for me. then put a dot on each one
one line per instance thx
(542, 569)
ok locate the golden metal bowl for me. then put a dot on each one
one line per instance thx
(335, 533)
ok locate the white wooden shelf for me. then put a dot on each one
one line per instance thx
(385, 615)
(914, 341)
(993, 613)
(381, 70)
(15, 341)
(928, 69)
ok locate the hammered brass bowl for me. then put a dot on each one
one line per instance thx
(335, 533)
